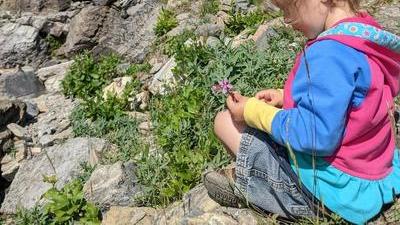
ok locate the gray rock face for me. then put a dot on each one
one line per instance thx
(53, 75)
(34, 5)
(197, 208)
(20, 84)
(84, 27)
(389, 17)
(11, 112)
(133, 36)
(62, 161)
(20, 44)
(112, 185)
(53, 124)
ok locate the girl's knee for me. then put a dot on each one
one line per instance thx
(221, 120)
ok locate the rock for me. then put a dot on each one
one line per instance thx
(9, 167)
(103, 2)
(389, 17)
(6, 134)
(112, 185)
(35, 151)
(140, 101)
(139, 116)
(57, 29)
(163, 78)
(264, 33)
(31, 110)
(53, 84)
(11, 112)
(132, 37)
(53, 122)
(28, 186)
(213, 41)
(35, 5)
(156, 67)
(10, 163)
(46, 140)
(17, 130)
(127, 216)
(84, 27)
(222, 17)
(20, 84)
(117, 87)
(242, 5)
(20, 45)
(145, 127)
(206, 30)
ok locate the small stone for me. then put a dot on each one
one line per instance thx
(213, 41)
(32, 110)
(7, 134)
(139, 116)
(63, 125)
(117, 87)
(9, 167)
(156, 67)
(68, 133)
(17, 130)
(36, 151)
(145, 127)
(57, 29)
(46, 140)
(183, 16)
(20, 150)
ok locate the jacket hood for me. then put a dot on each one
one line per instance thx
(366, 35)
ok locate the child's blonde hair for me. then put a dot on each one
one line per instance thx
(354, 4)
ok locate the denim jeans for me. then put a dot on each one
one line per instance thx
(265, 178)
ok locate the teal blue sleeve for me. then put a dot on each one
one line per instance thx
(322, 98)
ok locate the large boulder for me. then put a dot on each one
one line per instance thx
(196, 208)
(34, 5)
(20, 84)
(112, 185)
(131, 37)
(63, 161)
(84, 27)
(20, 45)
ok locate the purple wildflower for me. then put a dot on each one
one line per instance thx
(225, 86)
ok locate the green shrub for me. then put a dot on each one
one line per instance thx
(183, 119)
(86, 77)
(54, 43)
(209, 7)
(34, 216)
(68, 205)
(239, 21)
(136, 68)
(166, 21)
(62, 206)
(120, 130)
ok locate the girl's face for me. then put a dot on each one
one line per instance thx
(308, 16)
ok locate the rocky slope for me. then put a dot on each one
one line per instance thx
(37, 41)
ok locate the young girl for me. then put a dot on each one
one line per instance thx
(333, 119)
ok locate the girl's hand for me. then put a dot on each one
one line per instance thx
(236, 103)
(272, 97)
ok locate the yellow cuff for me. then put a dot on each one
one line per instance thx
(259, 114)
